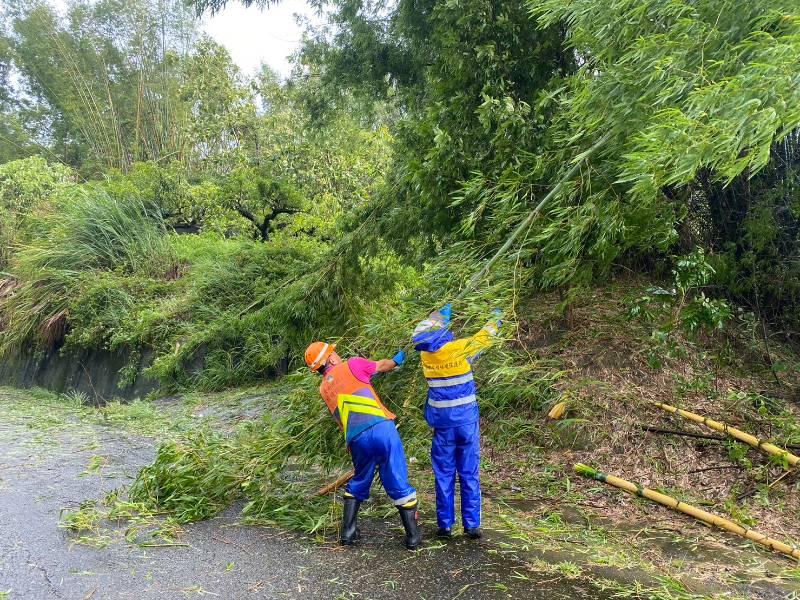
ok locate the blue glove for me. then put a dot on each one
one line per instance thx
(498, 313)
(446, 311)
(399, 358)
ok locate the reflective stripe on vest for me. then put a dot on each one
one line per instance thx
(437, 383)
(347, 403)
(354, 404)
(451, 403)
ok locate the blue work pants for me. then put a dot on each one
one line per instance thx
(457, 449)
(380, 446)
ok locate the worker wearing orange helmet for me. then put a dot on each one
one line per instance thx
(369, 433)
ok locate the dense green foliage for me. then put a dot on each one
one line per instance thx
(348, 201)
(27, 188)
(694, 95)
(465, 77)
(411, 138)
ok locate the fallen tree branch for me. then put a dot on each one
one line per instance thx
(681, 433)
(692, 434)
(717, 468)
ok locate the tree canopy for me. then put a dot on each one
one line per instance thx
(412, 137)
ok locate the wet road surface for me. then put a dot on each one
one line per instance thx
(42, 473)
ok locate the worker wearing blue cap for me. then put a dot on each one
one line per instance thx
(452, 411)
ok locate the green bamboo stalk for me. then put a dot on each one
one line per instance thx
(531, 216)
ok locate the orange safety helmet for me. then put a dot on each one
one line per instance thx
(317, 354)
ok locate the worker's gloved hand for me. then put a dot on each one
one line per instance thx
(447, 312)
(399, 358)
(497, 313)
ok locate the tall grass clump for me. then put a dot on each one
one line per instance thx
(98, 231)
(90, 232)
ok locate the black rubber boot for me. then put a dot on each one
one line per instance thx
(350, 532)
(410, 518)
(444, 533)
(473, 533)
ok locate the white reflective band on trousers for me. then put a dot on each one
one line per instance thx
(437, 383)
(454, 402)
(405, 499)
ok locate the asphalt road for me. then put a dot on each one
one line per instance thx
(43, 473)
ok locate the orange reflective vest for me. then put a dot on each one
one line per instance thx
(354, 404)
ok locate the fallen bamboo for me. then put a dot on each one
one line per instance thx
(524, 224)
(738, 434)
(688, 509)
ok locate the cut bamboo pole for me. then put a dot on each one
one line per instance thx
(688, 509)
(738, 434)
(335, 485)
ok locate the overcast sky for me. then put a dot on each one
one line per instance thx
(253, 35)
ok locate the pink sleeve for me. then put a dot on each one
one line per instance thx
(362, 368)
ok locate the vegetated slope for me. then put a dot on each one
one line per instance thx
(588, 348)
(607, 365)
(614, 369)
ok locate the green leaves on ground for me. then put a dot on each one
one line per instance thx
(192, 478)
(197, 475)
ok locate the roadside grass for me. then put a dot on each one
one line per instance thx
(667, 589)
(139, 417)
(545, 543)
(39, 409)
(44, 412)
